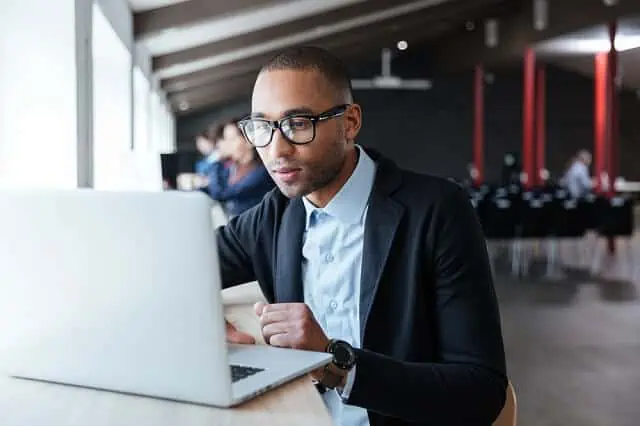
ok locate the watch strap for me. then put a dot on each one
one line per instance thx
(332, 376)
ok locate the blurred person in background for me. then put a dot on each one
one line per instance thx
(239, 181)
(206, 146)
(577, 179)
(205, 142)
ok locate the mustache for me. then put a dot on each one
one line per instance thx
(275, 165)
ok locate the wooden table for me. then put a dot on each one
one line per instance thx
(30, 403)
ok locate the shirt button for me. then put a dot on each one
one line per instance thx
(333, 305)
(328, 258)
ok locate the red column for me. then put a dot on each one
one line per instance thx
(541, 122)
(606, 116)
(600, 117)
(528, 118)
(478, 123)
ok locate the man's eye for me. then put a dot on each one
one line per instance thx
(299, 123)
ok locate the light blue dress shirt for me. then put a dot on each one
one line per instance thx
(331, 269)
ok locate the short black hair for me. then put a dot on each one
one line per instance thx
(304, 58)
(214, 131)
(234, 120)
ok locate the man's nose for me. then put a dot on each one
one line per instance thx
(280, 147)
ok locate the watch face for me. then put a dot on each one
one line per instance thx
(342, 355)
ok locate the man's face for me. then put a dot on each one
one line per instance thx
(302, 169)
(204, 146)
(233, 145)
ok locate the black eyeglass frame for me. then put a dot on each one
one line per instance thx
(336, 111)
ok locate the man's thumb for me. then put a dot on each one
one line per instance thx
(235, 336)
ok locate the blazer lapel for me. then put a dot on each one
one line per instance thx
(288, 283)
(383, 218)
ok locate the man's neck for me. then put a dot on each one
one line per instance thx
(322, 197)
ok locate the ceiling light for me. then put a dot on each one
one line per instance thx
(540, 14)
(402, 45)
(183, 106)
(590, 46)
(491, 33)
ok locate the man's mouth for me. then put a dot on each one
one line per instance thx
(287, 174)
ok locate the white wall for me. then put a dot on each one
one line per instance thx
(112, 101)
(52, 94)
(38, 93)
(141, 111)
(119, 15)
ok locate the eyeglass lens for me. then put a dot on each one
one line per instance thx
(296, 129)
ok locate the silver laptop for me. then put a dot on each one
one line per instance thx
(121, 291)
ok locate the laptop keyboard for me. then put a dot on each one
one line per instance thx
(239, 372)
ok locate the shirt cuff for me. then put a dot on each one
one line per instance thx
(346, 391)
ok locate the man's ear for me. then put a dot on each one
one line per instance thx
(353, 121)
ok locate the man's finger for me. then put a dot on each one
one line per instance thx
(273, 329)
(235, 336)
(258, 307)
(274, 307)
(269, 317)
(280, 340)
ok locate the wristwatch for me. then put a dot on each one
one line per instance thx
(344, 359)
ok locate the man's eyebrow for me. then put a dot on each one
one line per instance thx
(296, 111)
(287, 113)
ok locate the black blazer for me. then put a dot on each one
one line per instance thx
(432, 350)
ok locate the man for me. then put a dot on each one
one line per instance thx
(577, 178)
(384, 268)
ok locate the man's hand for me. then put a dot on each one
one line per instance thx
(291, 325)
(200, 181)
(235, 336)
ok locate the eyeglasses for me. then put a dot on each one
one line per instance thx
(299, 129)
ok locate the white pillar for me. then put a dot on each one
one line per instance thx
(45, 93)
(112, 99)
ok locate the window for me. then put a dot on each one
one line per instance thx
(157, 130)
(38, 94)
(141, 111)
(112, 102)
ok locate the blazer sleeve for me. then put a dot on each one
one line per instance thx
(467, 385)
(236, 245)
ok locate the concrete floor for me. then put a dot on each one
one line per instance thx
(573, 343)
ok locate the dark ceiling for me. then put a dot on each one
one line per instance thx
(198, 71)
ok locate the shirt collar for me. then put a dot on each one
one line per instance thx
(349, 204)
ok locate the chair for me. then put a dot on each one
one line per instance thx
(499, 217)
(509, 414)
(534, 226)
(568, 224)
(616, 221)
